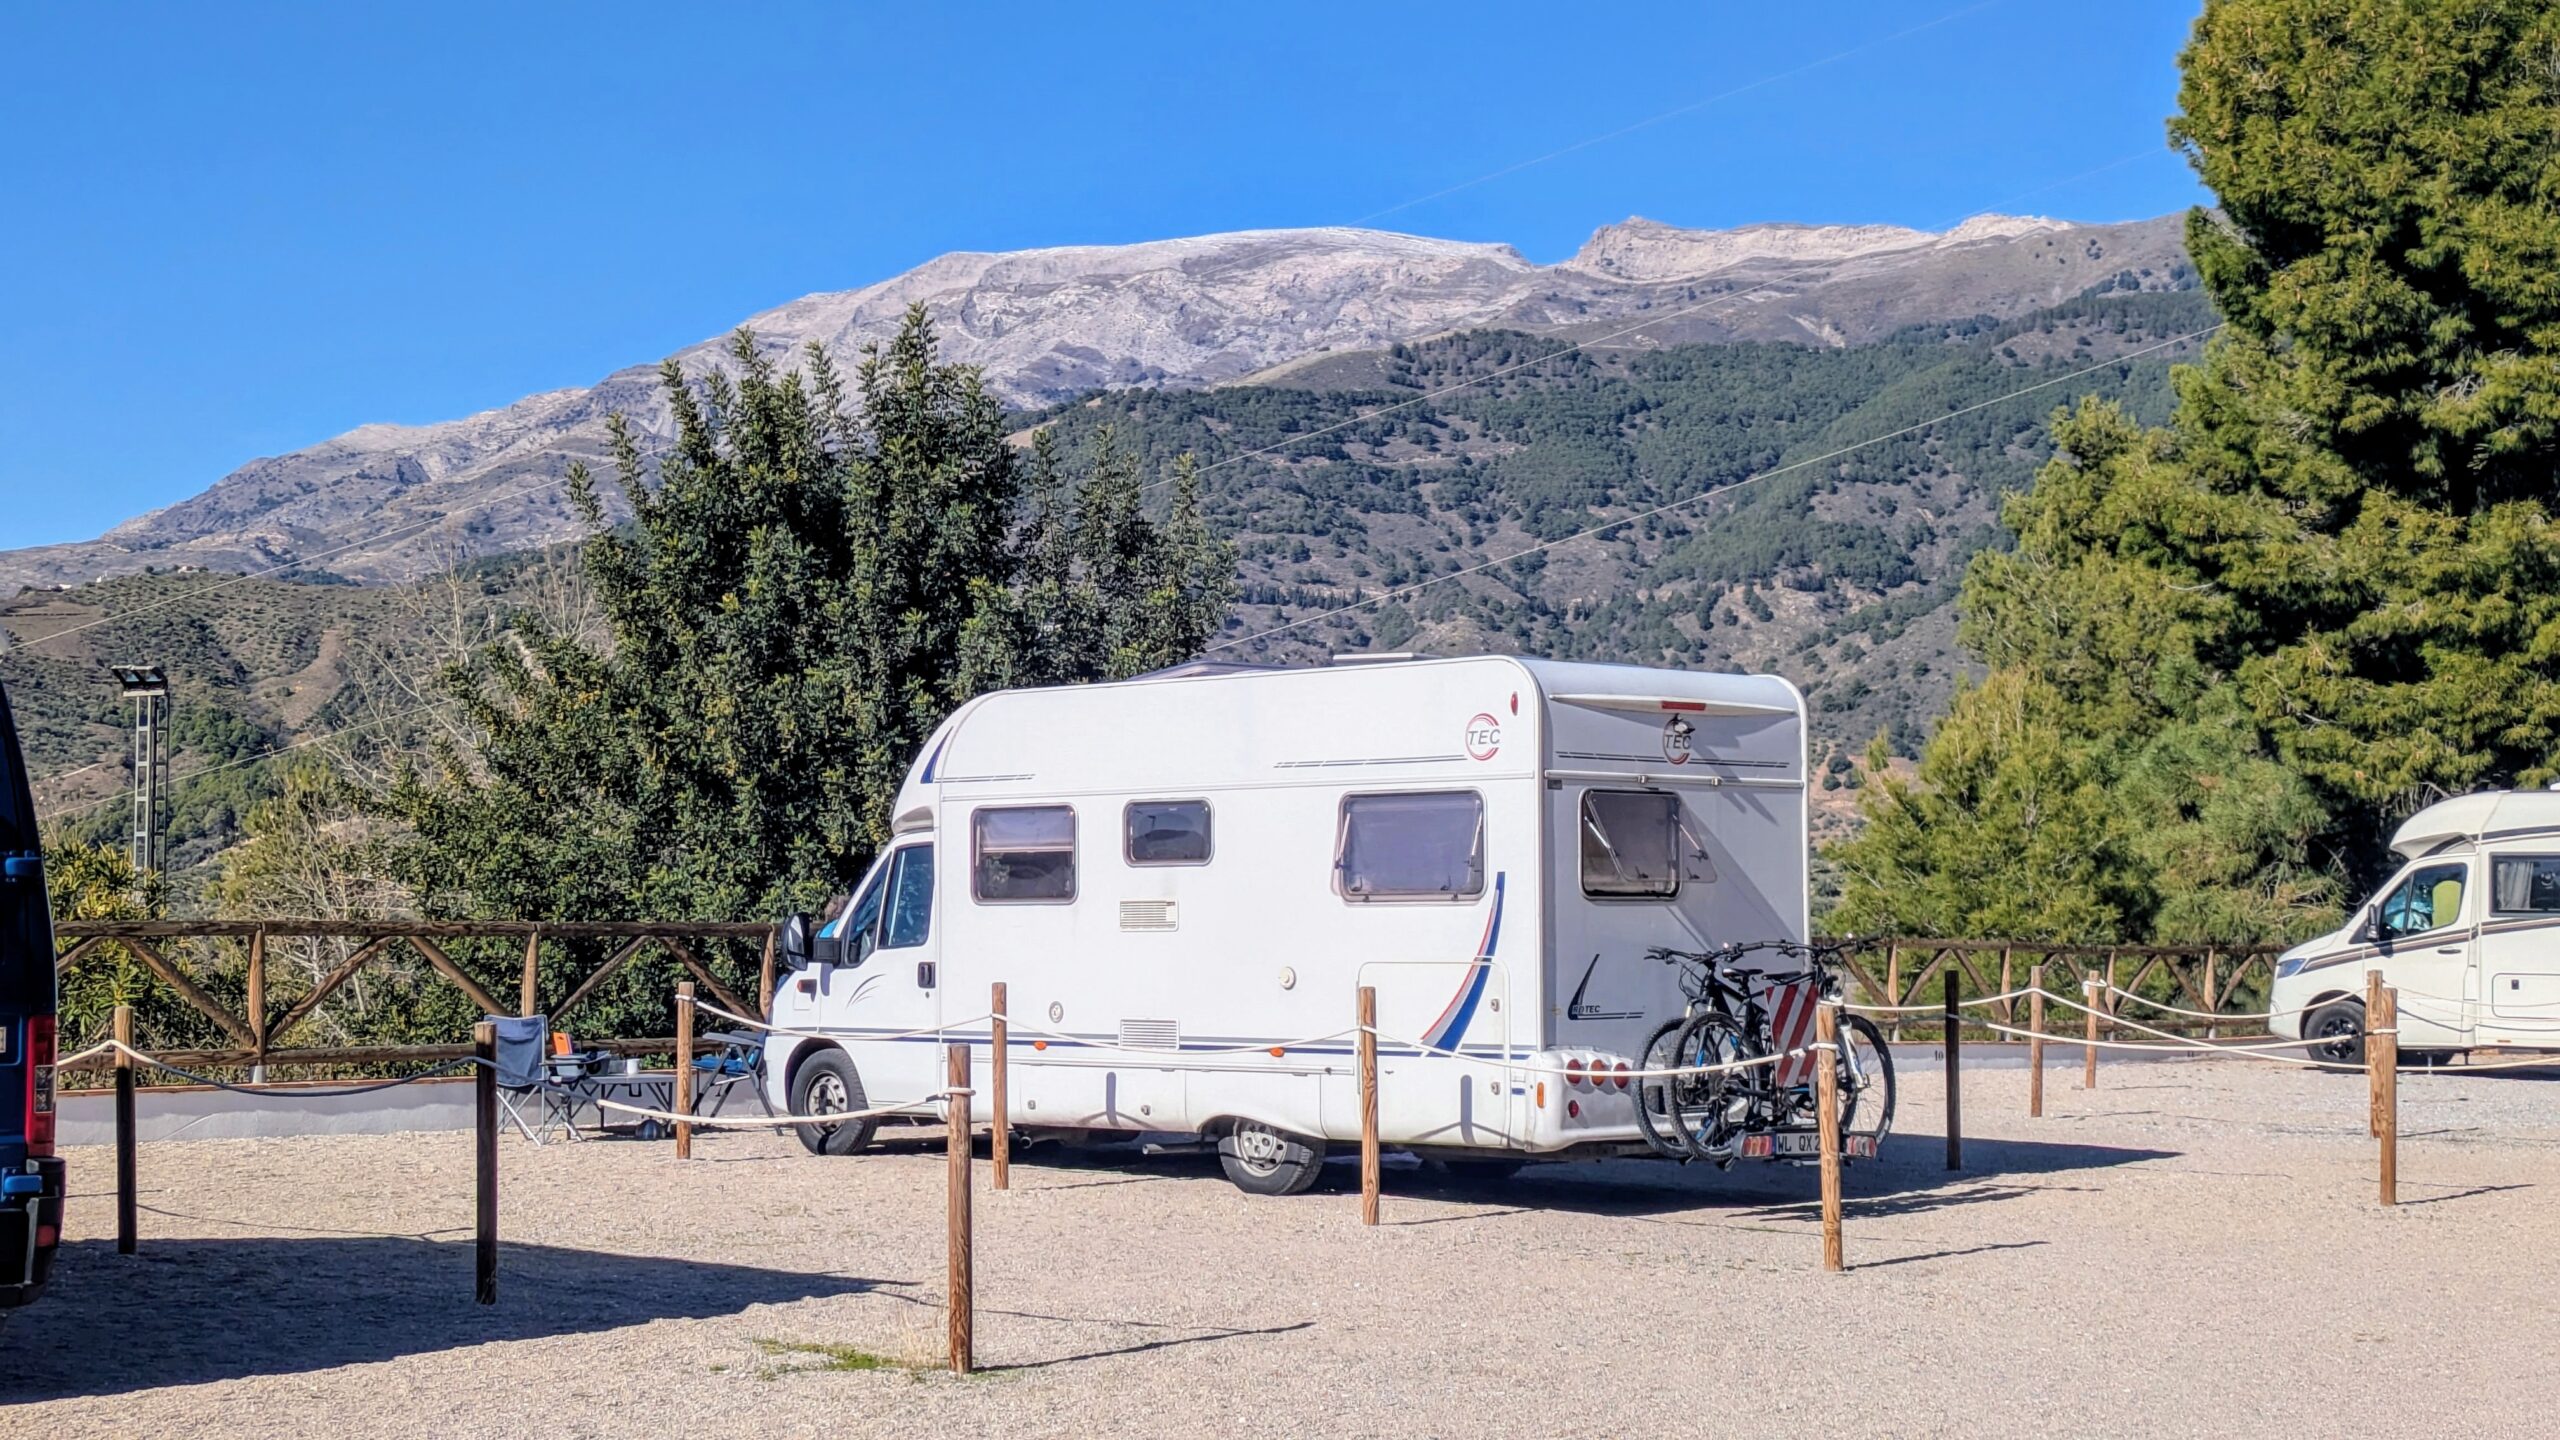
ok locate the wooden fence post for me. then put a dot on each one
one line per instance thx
(2389, 1082)
(764, 994)
(526, 999)
(2089, 1051)
(484, 1044)
(127, 1205)
(256, 1005)
(957, 1237)
(682, 1091)
(2372, 1076)
(1826, 1092)
(2035, 1042)
(2212, 992)
(1893, 985)
(999, 1114)
(1955, 1076)
(1368, 1016)
(2008, 1003)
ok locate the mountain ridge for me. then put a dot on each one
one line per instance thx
(1049, 324)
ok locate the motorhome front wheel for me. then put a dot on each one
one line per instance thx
(827, 1084)
(2336, 1032)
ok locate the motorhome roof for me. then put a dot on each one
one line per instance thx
(2487, 815)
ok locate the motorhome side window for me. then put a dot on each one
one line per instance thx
(1167, 832)
(907, 917)
(2525, 884)
(2430, 899)
(1630, 844)
(1022, 853)
(1426, 846)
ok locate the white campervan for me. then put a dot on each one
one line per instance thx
(1185, 878)
(2468, 933)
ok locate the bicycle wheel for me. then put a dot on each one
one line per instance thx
(1711, 1112)
(1866, 1079)
(1653, 1094)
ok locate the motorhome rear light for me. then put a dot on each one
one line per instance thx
(40, 1085)
(1624, 1075)
(1542, 1094)
(1684, 704)
(1573, 1109)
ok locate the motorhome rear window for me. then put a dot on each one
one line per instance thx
(1411, 847)
(1630, 844)
(1168, 832)
(1023, 853)
(2526, 884)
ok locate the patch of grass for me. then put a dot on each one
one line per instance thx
(797, 1357)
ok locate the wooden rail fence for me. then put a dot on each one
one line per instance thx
(256, 1024)
(1883, 971)
(1903, 970)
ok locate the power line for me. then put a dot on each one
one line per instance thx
(1676, 112)
(269, 754)
(1711, 493)
(1579, 345)
(399, 532)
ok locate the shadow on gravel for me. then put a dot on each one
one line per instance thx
(185, 1312)
(1907, 1180)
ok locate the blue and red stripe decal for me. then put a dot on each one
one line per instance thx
(1451, 1027)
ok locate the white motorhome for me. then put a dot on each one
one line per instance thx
(2468, 932)
(1184, 880)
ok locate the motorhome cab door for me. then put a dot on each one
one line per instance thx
(2425, 924)
(884, 976)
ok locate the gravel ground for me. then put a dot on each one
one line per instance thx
(2192, 1249)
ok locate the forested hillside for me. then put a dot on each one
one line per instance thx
(1839, 575)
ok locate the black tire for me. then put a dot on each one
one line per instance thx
(1264, 1161)
(825, 1084)
(1866, 1079)
(1653, 1096)
(1711, 1113)
(2335, 1032)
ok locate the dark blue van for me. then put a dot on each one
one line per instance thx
(30, 1175)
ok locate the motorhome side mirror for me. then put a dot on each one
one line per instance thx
(796, 932)
(2369, 926)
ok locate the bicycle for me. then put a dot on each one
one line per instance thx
(1718, 1117)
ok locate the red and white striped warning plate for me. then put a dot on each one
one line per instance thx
(1791, 1028)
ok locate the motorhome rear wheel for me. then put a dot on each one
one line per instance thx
(1263, 1161)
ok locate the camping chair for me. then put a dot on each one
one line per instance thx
(740, 1061)
(527, 1072)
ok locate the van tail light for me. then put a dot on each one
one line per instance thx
(1625, 1074)
(1573, 1073)
(40, 1085)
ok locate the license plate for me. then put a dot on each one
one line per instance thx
(1803, 1145)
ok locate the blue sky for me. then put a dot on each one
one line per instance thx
(231, 231)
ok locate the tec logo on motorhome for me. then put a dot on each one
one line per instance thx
(1484, 737)
(1675, 740)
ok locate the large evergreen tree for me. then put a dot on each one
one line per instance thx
(812, 578)
(2324, 594)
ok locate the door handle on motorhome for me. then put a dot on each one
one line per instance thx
(2448, 949)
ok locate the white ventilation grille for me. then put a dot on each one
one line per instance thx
(1149, 915)
(1150, 1034)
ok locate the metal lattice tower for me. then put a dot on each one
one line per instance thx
(147, 686)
